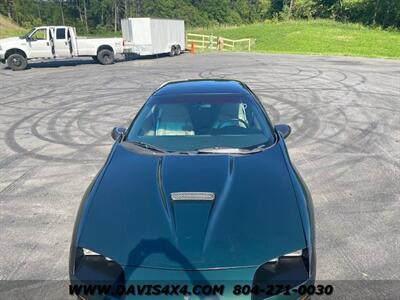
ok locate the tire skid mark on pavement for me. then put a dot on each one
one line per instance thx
(15, 183)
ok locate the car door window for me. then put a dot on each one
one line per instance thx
(60, 34)
(40, 34)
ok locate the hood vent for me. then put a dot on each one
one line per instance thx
(193, 196)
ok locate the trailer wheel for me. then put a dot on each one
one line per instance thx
(173, 51)
(17, 62)
(105, 57)
(95, 59)
(178, 50)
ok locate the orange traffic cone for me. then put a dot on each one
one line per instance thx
(192, 48)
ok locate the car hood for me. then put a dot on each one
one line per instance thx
(11, 40)
(253, 218)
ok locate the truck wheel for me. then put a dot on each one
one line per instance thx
(178, 50)
(95, 59)
(172, 52)
(17, 62)
(105, 57)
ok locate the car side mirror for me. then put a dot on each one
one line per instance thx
(117, 132)
(283, 129)
(28, 39)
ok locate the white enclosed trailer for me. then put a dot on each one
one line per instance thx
(151, 36)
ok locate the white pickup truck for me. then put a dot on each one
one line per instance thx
(50, 42)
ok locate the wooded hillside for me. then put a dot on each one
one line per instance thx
(95, 16)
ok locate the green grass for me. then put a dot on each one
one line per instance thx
(9, 28)
(319, 37)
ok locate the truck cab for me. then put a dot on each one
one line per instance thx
(47, 42)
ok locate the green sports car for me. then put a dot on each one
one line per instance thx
(197, 198)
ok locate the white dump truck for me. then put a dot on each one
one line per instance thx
(141, 36)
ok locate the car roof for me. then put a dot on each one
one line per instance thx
(202, 86)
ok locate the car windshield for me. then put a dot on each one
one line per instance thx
(215, 123)
(28, 33)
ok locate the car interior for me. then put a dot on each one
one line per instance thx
(199, 119)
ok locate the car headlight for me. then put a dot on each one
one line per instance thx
(296, 253)
(290, 269)
(88, 252)
(91, 266)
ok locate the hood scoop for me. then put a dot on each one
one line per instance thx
(192, 196)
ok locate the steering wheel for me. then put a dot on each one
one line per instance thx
(230, 121)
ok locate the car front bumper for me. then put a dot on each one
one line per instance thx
(168, 278)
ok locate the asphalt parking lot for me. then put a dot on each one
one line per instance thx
(55, 122)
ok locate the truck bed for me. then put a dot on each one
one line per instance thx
(89, 46)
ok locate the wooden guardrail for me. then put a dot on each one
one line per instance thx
(238, 44)
(210, 42)
(201, 41)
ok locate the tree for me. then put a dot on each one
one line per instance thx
(38, 3)
(105, 15)
(291, 8)
(325, 8)
(10, 8)
(85, 16)
(216, 10)
(62, 13)
(116, 15)
(126, 8)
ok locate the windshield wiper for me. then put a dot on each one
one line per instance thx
(147, 146)
(257, 148)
